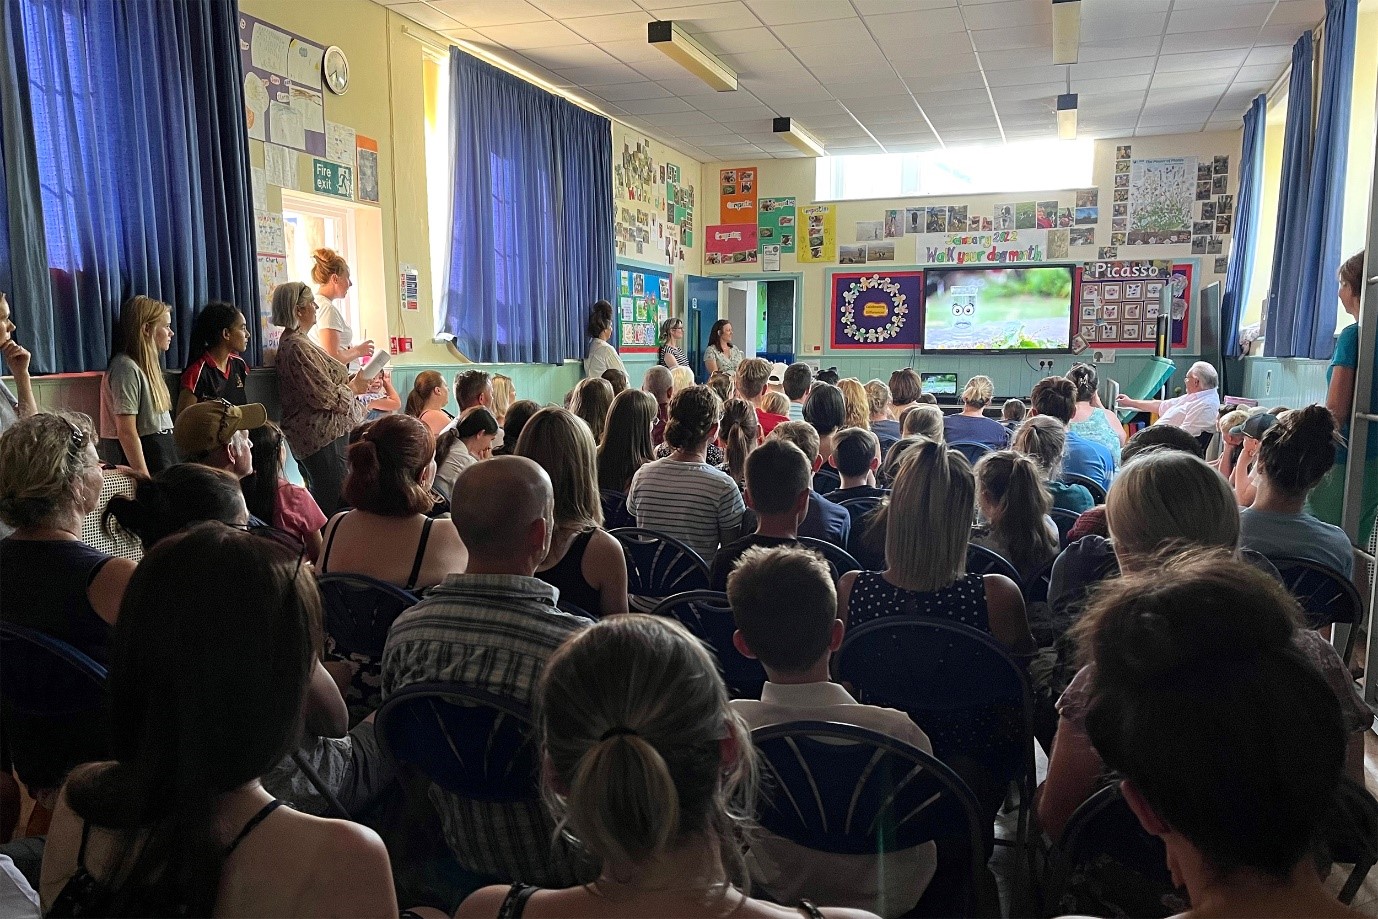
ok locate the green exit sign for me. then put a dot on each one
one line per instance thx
(329, 178)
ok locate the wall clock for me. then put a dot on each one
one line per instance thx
(335, 70)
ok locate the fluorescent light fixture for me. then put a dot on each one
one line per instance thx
(1067, 116)
(685, 50)
(788, 131)
(1066, 31)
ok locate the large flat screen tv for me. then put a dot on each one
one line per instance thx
(996, 308)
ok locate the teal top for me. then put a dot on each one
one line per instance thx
(1347, 355)
(1097, 428)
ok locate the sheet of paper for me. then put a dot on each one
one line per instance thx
(269, 233)
(308, 104)
(285, 126)
(269, 49)
(339, 143)
(375, 364)
(255, 105)
(304, 63)
(280, 165)
(260, 185)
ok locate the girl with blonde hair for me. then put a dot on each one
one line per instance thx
(858, 405)
(681, 377)
(923, 420)
(135, 405)
(739, 432)
(1015, 503)
(775, 403)
(626, 444)
(331, 273)
(591, 401)
(504, 394)
(972, 426)
(427, 401)
(1044, 439)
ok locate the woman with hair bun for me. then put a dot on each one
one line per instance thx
(1293, 457)
(387, 534)
(972, 425)
(600, 355)
(1092, 420)
(427, 401)
(176, 498)
(653, 773)
(331, 273)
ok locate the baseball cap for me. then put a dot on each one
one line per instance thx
(1255, 425)
(777, 372)
(206, 426)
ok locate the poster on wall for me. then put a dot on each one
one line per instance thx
(988, 248)
(875, 310)
(776, 223)
(272, 271)
(644, 301)
(1161, 193)
(731, 244)
(819, 242)
(1121, 302)
(368, 168)
(654, 217)
(283, 102)
(737, 195)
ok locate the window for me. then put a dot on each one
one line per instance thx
(1359, 168)
(1274, 133)
(1029, 166)
(435, 74)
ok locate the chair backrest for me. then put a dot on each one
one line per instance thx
(45, 677)
(839, 560)
(866, 504)
(984, 560)
(469, 742)
(1326, 596)
(1091, 485)
(970, 449)
(1036, 588)
(1065, 520)
(1104, 829)
(615, 513)
(844, 789)
(959, 684)
(359, 610)
(707, 614)
(659, 565)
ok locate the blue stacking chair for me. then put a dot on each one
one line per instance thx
(359, 611)
(970, 449)
(1065, 520)
(615, 513)
(982, 560)
(659, 565)
(1091, 485)
(1326, 596)
(708, 616)
(839, 560)
(847, 790)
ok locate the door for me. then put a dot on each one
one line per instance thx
(701, 311)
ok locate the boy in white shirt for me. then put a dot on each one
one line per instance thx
(785, 607)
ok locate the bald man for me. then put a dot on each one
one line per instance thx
(492, 628)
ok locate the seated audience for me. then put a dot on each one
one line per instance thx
(1242, 478)
(878, 403)
(1056, 397)
(722, 385)
(176, 498)
(470, 440)
(1044, 440)
(427, 401)
(776, 403)
(617, 379)
(276, 501)
(777, 490)
(857, 403)
(684, 495)
(218, 337)
(795, 384)
(1293, 456)
(1195, 412)
(216, 434)
(1161, 437)
(739, 433)
(775, 383)
(785, 608)
(178, 823)
(504, 394)
(626, 444)
(971, 425)
(650, 771)
(829, 376)
(386, 534)
(825, 410)
(1012, 414)
(905, 388)
(1090, 419)
(1014, 502)
(927, 530)
(1229, 745)
(681, 380)
(474, 388)
(518, 414)
(750, 381)
(115, 480)
(927, 398)
(658, 384)
(380, 398)
(924, 420)
(857, 454)
(1231, 444)
(583, 562)
(493, 628)
(592, 399)
(825, 519)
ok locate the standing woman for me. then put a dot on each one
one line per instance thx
(671, 353)
(135, 406)
(13, 407)
(427, 401)
(1327, 500)
(317, 393)
(721, 356)
(219, 335)
(331, 274)
(600, 355)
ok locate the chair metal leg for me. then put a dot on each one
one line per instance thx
(1354, 882)
(318, 783)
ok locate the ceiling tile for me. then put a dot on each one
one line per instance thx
(660, 68)
(837, 34)
(1201, 60)
(1096, 70)
(626, 92)
(1114, 50)
(1301, 12)
(425, 15)
(1215, 77)
(1213, 40)
(878, 7)
(758, 62)
(743, 41)
(1027, 75)
(1278, 55)
(1120, 27)
(955, 98)
(707, 17)
(1021, 91)
(724, 103)
(782, 12)
(570, 56)
(1036, 36)
(1286, 34)
(1238, 16)
(565, 10)
(476, 13)
(907, 25)
(1012, 60)
(600, 75)
(618, 27)
(1008, 13)
(528, 35)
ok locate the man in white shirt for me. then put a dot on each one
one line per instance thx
(785, 607)
(1194, 412)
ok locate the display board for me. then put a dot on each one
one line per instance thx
(1120, 302)
(283, 99)
(645, 299)
(875, 310)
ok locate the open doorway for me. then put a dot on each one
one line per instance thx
(311, 222)
(764, 313)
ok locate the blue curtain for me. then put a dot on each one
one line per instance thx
(136, 115)
(532, 233)
(1301, 321)
(1289, 239)
(1241, 265)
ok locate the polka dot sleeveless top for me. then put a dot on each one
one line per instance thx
(963, 602)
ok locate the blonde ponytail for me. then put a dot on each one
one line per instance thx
(623, 799)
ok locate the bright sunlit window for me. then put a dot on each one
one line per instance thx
(1029, 166)
(436, 86)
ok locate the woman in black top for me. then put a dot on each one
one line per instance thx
(218, 338)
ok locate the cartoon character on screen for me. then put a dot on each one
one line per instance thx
(963, 306)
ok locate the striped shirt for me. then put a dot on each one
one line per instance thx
(492, 632)
(693, 502)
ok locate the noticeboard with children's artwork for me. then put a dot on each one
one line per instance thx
(875, 310)
(644, 301)
(1122, 300)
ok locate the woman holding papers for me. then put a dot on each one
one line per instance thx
(331, 274)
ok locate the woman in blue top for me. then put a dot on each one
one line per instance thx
(1327, 500)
